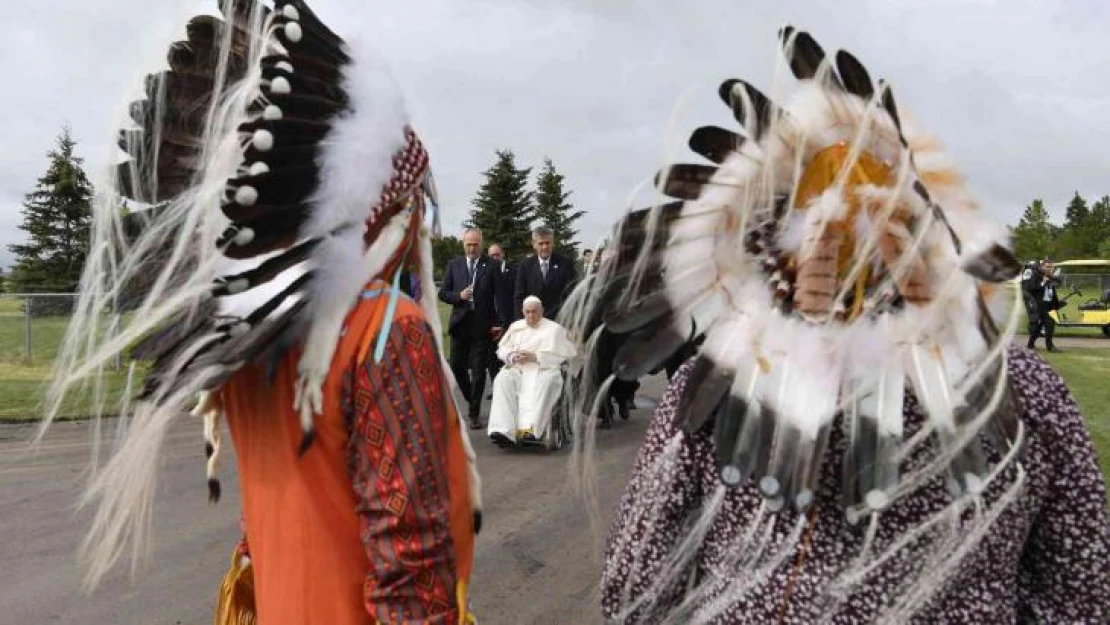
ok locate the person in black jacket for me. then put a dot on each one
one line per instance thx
(546, 275)
(1040, 292)
(506, 282)
(470, 285)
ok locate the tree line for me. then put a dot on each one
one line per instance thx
(506, 207)
(57, 217)
(1085, 233)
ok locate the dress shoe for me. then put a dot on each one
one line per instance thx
(501, 440)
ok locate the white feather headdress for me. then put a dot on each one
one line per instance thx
(829, 257)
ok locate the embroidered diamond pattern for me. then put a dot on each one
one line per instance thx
(385, 468)
(397, 503)
(414, 336)
(363, 399)
(425, 579)
(425, 370)
(375, 435)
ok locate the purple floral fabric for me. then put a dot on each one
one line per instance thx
(1045, 560)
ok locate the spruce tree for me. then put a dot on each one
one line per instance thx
(1099, 227)
(1076, 238)
(57, 216)
(554, 211)
(1034, 236)
(503, 208)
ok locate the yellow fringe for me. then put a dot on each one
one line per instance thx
(236, 600)
(465, 616)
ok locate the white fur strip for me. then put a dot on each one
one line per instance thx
(356, 160)
(342, 271)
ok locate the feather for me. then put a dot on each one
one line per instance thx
(295, 104)
(891, 108)
(647, 349)
(997, 264)
(749, 106)
(715, 143)
(854, 75)
(264, 272)
(874, 427)
(626, 319)
(709, 384)
(278, 83)
(275, 186)
(805, 55)
(685, 181)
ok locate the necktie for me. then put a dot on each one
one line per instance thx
(470, 269)
(543, 269)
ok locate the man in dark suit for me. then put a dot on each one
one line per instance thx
(470, 287)
(505, 276)
(1040, 292)
(546, 275)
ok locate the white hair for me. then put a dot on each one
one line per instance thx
(532, 299)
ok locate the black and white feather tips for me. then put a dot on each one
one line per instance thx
(832, 259)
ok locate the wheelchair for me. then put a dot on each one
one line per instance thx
(559, 426)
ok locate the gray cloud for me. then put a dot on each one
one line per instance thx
(1015, 89)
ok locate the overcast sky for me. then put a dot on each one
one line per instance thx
(1019, 90)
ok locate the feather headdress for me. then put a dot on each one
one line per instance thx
(279, 174)
(831, 258)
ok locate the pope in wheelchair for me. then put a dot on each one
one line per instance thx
(527, 390)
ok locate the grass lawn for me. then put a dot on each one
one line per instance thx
(1087, 373)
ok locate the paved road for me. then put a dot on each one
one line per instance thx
(536, 560)
(1069, 342)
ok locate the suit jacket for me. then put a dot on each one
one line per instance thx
(1037, 292)
(506, 282)
(482, 307)
(552, 292)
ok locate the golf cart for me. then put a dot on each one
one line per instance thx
(1092, 291)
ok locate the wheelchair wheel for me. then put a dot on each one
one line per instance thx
(555, 435)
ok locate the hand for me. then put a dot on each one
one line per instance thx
(495, 332)
(466, 294)
(524, 358)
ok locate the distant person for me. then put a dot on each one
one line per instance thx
(587, 260)
(470, 287)
(525, 392)
(1040, 292)
(546, 275)
(505, 276)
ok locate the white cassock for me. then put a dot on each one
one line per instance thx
(524, 394)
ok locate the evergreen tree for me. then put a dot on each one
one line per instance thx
(57, 217)
(503, 207)
(1099, 225)
(1034, 237)
(554, 211)
(1076, 238)
(443, 250)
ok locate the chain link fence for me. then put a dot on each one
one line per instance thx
(32, 327)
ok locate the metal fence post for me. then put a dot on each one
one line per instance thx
(27, 303)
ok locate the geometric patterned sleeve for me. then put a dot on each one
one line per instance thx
(1065, 567)
(662, 494)
(397, 461)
